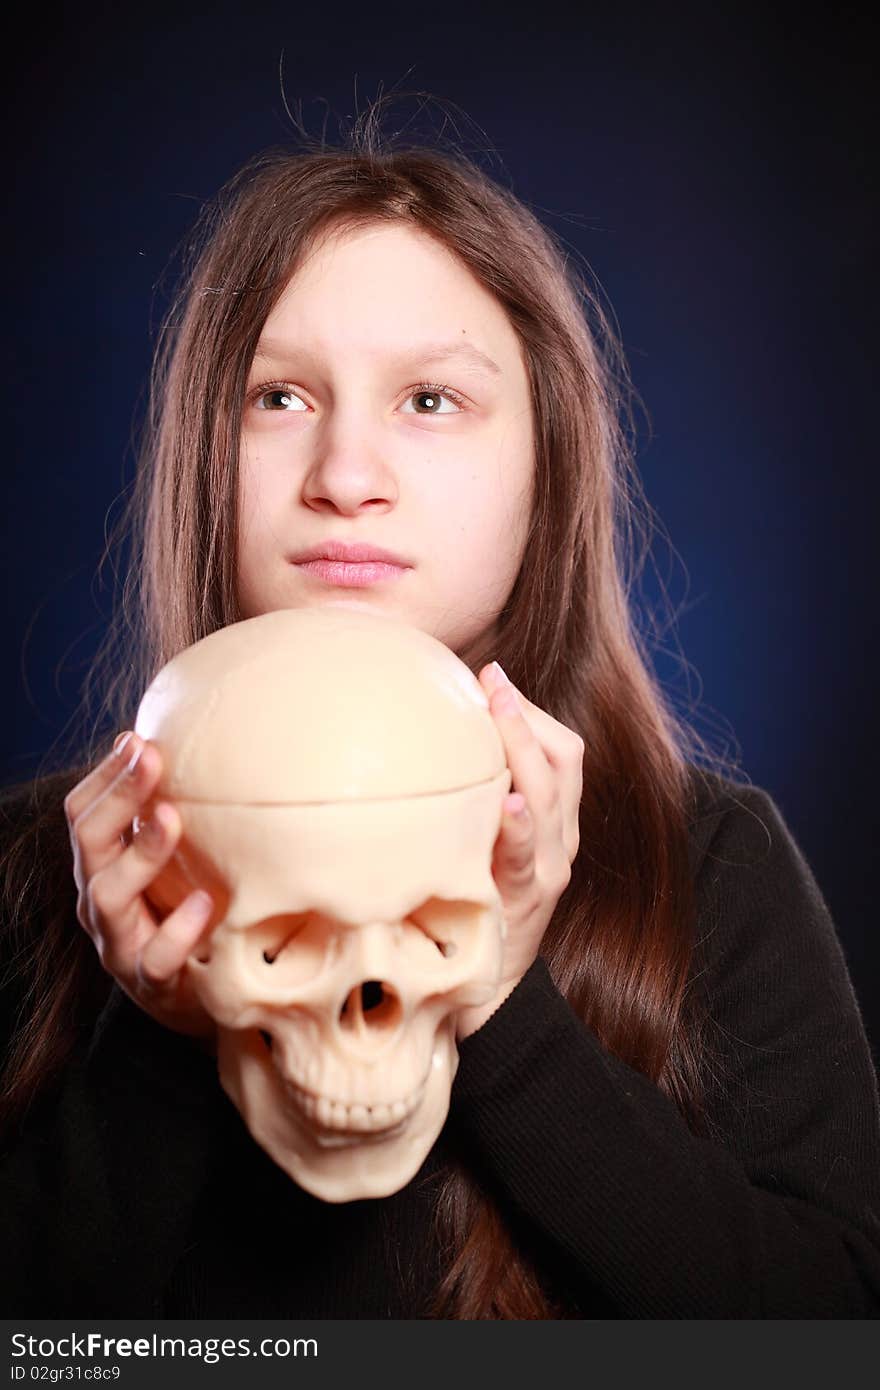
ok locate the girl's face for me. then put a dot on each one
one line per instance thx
(345, 439)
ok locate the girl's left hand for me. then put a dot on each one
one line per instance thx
(534, 853)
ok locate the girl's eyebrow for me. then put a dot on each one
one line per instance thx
(425, 352)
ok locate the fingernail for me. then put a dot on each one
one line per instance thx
(120, 743)
(152, 830)
(133, 765)
(507, 702)
(499, 675)
(199, 904)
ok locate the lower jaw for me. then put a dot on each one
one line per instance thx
(344, 1139)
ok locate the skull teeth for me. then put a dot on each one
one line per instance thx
(355, 1117)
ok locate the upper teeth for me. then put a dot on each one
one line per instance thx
(365, 1119)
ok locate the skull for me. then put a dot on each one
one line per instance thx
(340, 782)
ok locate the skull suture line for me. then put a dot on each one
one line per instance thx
(340, 781)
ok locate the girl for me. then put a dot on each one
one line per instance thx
(669, 1109)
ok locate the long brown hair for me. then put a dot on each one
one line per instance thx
(620, 942)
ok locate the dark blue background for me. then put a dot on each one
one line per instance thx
(713, 169)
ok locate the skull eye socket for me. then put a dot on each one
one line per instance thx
(293, 946)
(276, 934)
(450, 925)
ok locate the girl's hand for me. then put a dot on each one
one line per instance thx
(145, 956)
(534, 853)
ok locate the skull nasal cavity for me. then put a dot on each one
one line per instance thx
(372, 1004)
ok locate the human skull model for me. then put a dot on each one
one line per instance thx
(340, 782)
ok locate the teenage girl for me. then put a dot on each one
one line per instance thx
(669, 1108)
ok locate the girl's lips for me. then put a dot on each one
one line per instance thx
(352, 575)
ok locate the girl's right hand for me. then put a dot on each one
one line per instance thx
(144, 955)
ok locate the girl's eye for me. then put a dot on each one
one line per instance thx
(432, 395)
(283, 396)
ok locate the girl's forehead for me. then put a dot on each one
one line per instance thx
(393, 295)
(387, 267)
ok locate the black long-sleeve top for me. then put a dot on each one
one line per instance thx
(135, 1190)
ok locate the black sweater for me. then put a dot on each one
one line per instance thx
(135, 1189)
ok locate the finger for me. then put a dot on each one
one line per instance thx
(160, 961)
(126, 922)
(514, 854)
(97, 831)
(564, 750)
(100, 777)
(556, 739)
(530, 771)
